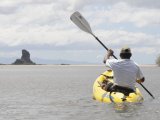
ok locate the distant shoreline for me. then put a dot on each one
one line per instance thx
(143, 65)
(148, 65)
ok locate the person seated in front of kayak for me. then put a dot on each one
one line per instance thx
(126, 71)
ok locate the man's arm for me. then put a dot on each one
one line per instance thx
(140, 76)
(108, 55)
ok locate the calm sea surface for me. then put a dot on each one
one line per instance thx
(50, 92)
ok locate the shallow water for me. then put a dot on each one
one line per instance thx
(54, 92)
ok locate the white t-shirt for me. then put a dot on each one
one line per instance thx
(126, 72)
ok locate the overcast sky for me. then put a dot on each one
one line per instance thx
(43, 27)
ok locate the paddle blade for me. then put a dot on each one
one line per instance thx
(80, 21)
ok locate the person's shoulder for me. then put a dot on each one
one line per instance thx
(135, 63)
(112, 60)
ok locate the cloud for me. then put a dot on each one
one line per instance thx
(131, 38)
(47, 23)
(141, 13)
(146, 50)
(139, 16)
(143, 3)
(14, 36)
(136, 3)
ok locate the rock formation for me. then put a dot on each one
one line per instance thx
(25, 59)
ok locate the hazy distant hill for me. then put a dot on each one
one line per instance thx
(6, 60)
(45, 61)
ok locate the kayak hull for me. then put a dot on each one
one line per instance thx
(101, 95)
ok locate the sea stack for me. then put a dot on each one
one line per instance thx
(25, 59)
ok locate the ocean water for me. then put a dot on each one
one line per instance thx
(64, 92)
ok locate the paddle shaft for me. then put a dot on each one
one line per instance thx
(147, 91)
(102, 44)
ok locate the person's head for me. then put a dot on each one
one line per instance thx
(125, 53)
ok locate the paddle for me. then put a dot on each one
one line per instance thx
(81, 22)
(147, 90)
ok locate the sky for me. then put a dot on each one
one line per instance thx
(44, 28)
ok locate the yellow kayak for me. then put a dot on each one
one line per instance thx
(101, 95)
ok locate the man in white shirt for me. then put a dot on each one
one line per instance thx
(126, 71)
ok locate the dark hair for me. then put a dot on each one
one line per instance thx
(125, 55)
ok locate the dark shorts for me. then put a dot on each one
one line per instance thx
(111, 87)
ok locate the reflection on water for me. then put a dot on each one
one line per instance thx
(126, 107)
